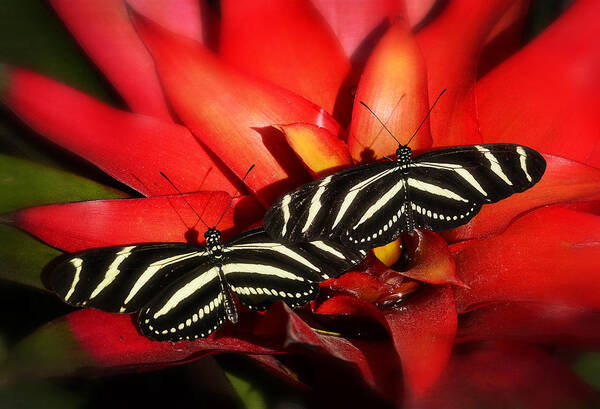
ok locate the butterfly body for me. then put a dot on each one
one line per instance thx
(184, 291)
(371, 205)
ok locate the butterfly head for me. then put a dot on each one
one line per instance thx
(403, 155)
(213, 240)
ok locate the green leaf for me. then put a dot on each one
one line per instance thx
(33, 37)
(256, 387)
(39, 394)
(588, 368)
(24, 184)
(50, 351)
(251, 396)
(22, 258)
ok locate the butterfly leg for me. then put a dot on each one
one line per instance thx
(228, 303)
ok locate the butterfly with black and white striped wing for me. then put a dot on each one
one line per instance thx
(182, 291)
(371, 205)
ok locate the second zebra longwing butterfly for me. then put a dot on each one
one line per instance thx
(371, 205)
(183, 291)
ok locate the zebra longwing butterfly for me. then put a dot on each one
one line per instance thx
(371, 205)
(182, 291)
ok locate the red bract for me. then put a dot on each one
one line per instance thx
(394, 86)
(130, 147)
(116, 222)
(552, 93)
(287, 44)
(274, 94)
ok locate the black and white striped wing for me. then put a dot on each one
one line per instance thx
(189, 308)
(261, 271)
(447, 187)
(371, 205)
(326, 208)
(123, 278)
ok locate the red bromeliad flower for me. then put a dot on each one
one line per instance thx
(277, 84)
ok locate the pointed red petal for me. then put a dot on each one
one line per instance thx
(375, 362)
(417, 10)
(289, 44)
(549, 255)
(105, 32)
(563, 181)
(273, 364)
(548, 92)
(346, 305)
(532, 322)
(361, 286)
(432, 262)
(184, 17)
(394, 86)
(496, 376)
(231, 113)
(423, 331)
(451, 46)
(82, 225)
(358, 27)
(321, 152)
(505, 38)
(131, 148)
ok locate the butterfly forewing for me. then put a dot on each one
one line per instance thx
(189, 308)
(448, 186)
(324, 208)
(122, 278)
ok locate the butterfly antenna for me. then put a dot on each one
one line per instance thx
(382, 124)
(426, 116)
(235, 194)
(184, 199)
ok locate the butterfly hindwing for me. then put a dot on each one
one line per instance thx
(122, 278)
(189, 308)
